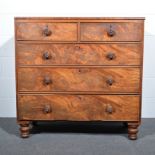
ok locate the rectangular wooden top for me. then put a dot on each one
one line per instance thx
(79, 18)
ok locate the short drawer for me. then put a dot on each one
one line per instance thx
(79, 54)
(46, 31)
(108, 79)
(79, 107)
(118, 31)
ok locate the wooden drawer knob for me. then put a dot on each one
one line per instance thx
(47, 109)
(46, 55)
(109, 109)
(46, 31)
(47, 80)
(111, 32)
(110, 81)
(111, 56)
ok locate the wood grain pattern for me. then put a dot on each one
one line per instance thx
(123, 31)
(79, 79)
(59, 31)
(79, 69)
(24, 128)
(133, 130)
(79, 54)
(79, 107)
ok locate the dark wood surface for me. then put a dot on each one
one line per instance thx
(81, 69)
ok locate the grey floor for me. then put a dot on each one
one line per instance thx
(63, 138)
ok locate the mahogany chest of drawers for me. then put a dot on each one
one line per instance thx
(79, 69)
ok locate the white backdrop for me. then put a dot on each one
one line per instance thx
(97, 8)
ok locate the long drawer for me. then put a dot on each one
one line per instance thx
(79, 107)
(79, 54)
(108, 79)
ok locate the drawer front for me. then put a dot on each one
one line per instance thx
(79, 54)
(79, 79)
(132, 31)
(47, 31)
(78, 107)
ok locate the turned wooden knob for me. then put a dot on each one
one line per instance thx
(109, 109)
(111, 32)
(111, 56)
(47, 109)
(46, 31)
(110, 81)
(46, 55)
(47, 80)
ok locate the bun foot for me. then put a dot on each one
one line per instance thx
(132, 130)
(24, 129)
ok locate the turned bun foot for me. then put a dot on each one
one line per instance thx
(132, 130)
(24, 129)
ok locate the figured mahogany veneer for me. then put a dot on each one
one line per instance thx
(131, 31)
(79, 107)
(79, 54)
(79, 69)
(79, 79)
(47, 31)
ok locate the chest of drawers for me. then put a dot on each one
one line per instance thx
(79, 69)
